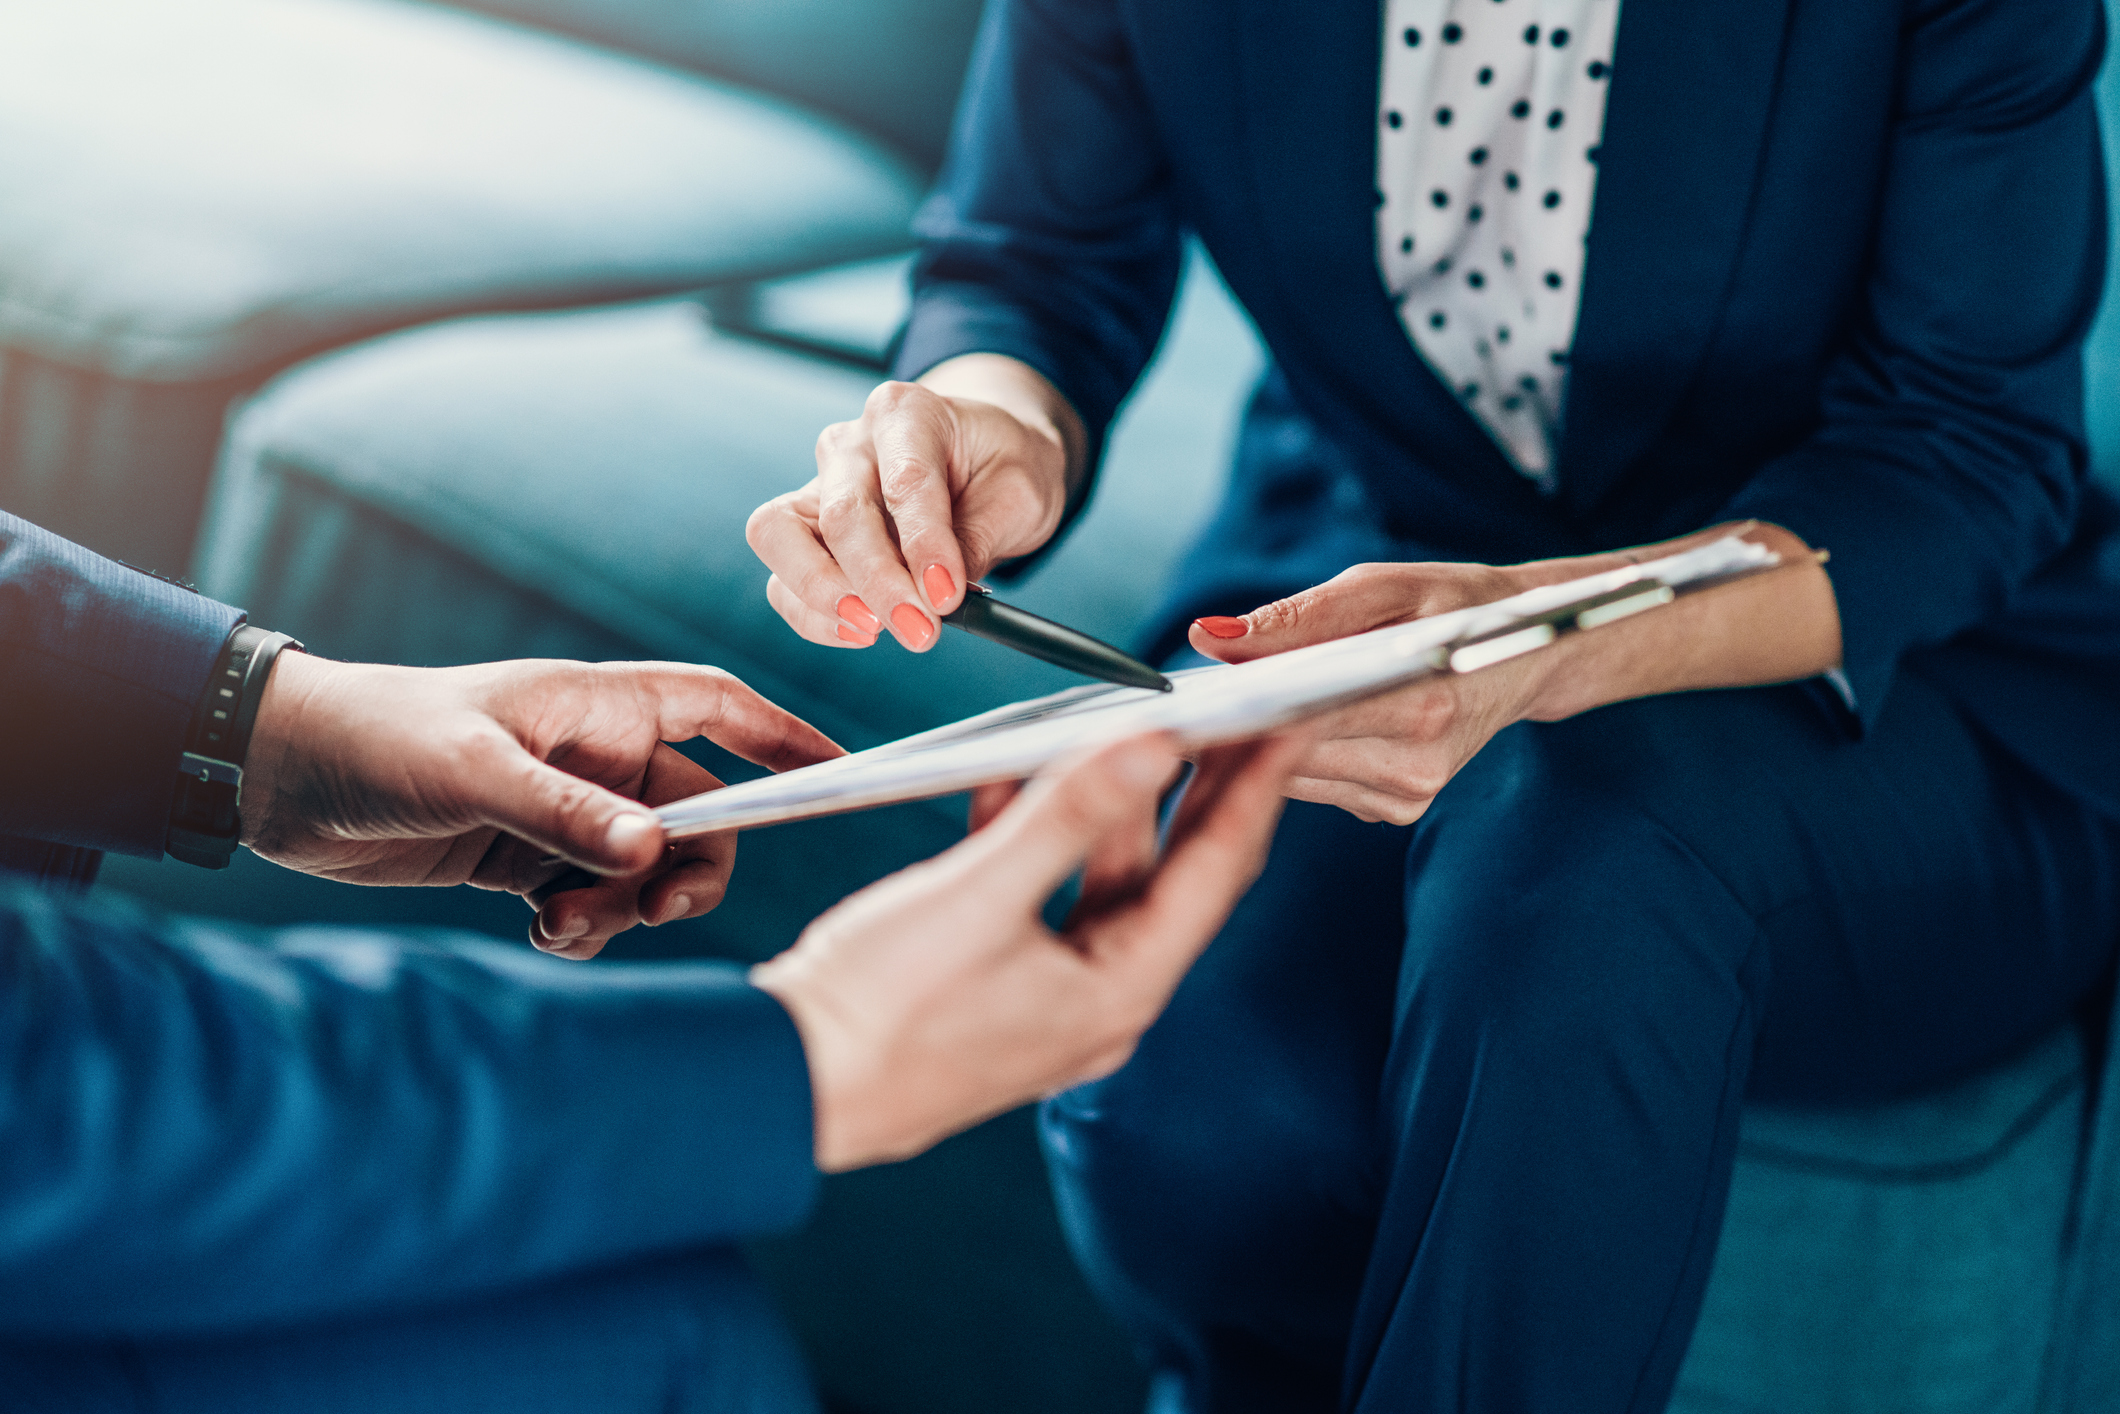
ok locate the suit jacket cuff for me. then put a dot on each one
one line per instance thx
(104, 667)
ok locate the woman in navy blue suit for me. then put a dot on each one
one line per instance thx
(1446, 1118)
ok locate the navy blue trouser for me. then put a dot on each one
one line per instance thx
(1446, 1118)
(688, 1334)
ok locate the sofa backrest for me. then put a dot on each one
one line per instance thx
(891, 67)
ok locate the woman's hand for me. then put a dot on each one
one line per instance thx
(480, 775)
(937, 998)
(932, 485)
(1386, 758)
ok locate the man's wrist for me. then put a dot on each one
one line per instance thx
(205, 819)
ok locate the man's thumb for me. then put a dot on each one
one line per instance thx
(580, 821)
(1051, 827)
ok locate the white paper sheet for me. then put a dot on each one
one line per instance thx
(1205, 706)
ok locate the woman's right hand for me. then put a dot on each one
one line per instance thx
(930, 487)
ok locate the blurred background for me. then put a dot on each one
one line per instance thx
(437, 333)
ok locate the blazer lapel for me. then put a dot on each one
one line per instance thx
(1693, 92)
(1308, 111)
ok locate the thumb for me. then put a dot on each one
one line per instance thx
(1051, 827)
(1351, 602)
(587, 825)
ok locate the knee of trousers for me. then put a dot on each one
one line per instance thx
(1235, 1152)
(1222, 1188)
(1546, 908)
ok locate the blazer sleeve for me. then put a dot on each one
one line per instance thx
(1063, 254)
(204, 1128)
(1950, 462)
(101, 667)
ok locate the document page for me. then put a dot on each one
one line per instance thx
(1210, 705)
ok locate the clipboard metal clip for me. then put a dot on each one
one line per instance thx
(1476, 650)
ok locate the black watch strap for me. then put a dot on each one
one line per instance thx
(205, 823)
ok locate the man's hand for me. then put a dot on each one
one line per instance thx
(937, 998)
(926, 490)
(1386, 758)
(482, 775)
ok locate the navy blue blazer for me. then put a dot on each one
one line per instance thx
(205, 1128)
(1843, 258)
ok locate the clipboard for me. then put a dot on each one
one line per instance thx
(1211, 705)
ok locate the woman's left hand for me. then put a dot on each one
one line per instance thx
(1385, 758)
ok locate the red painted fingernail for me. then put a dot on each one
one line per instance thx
(860, 615)
(939, 586)
(848, 634)
(912, 625)
(1224, 627)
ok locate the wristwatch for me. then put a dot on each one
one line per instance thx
(205, 822)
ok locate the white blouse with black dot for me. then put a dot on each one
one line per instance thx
(1490, 115)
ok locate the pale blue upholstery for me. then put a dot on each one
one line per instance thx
(890, 69)
(1901, 1259)
(198, 193)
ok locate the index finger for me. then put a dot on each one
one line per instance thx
(695, 701)
(1217, 847)
(914, 441)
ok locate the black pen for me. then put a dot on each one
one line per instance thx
(983, 614)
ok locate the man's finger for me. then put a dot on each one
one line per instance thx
(1048, 831)
(694, 701)
(1217, 847)
(565, 815)
(1122, 860)
(989, 801)
(693, 877)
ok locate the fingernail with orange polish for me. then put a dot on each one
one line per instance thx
(849, 634)
(912, 625)
(860, 615)
(1223, 627)
(939, 586)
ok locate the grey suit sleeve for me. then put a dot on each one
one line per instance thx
(100, 669)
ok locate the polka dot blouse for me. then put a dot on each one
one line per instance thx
(1489, 120)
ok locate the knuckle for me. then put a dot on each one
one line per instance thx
(1281, 616)
(761, 522)
(1435, 716)
(835, 437)
(1419, 783)
(906, 474)
(892, 396)
(841, 512)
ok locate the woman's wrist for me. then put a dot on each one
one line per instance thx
(1779, 628)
